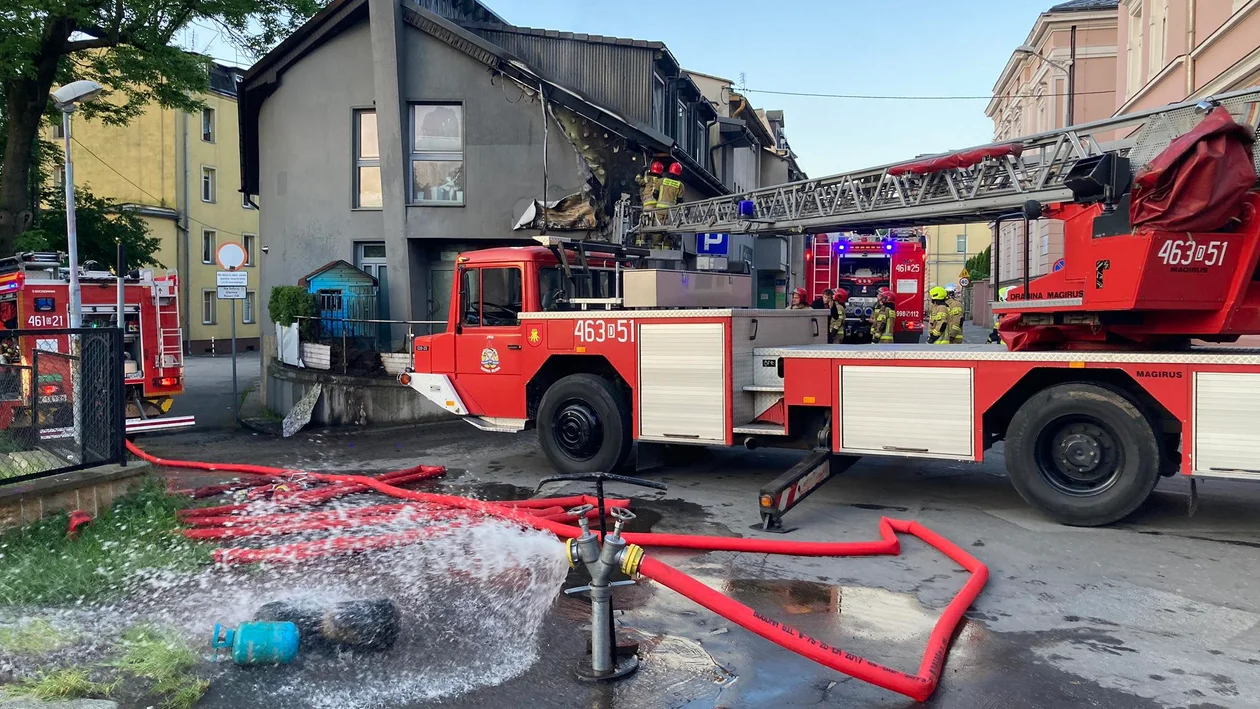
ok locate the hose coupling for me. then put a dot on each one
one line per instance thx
(571, 553)
(631, 557)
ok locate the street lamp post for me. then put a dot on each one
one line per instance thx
(66, 99)
(1067, 69)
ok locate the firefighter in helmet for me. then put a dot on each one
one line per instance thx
(994, 337)
(938, 317)
(836, 301)
(954, 320)
(800, 300)
(884, 317)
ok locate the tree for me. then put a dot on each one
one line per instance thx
(101, 223)
(978, 265)
(126, 46)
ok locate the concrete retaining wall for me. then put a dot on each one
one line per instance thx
(348, 400)
(93, 490)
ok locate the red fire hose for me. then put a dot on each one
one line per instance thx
(917, 686)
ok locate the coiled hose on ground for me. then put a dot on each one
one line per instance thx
(916, 686)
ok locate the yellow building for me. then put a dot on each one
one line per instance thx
(182, 173)
(949, 247)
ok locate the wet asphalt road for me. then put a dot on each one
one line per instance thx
(1159, 611)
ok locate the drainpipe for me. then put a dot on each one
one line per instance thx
(182, 225)
(1071, 81)
(1191, 9)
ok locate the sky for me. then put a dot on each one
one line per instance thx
(914, 48)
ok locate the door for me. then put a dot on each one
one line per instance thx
(369, 257)
(441, 282)
(488, 344)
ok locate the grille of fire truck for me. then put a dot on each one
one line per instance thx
(971, 185)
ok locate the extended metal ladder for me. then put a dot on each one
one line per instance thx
(978, 184)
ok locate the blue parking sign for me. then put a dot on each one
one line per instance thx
(713, 244)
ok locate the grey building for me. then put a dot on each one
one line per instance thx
(395, 134)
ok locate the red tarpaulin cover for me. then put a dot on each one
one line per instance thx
(966, 158)
(1198, 182)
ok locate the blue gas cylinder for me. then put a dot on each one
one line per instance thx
(258, 643)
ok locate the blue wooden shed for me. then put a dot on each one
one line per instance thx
(344, 297)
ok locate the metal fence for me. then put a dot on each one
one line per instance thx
(356, 345)
(62, 404)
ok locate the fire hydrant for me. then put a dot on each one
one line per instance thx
(600, 562)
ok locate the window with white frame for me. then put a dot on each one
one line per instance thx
(247, 308)
(245, 203)
(209, 188)
(247, 243)
(437, 153)
(960, 243)
(1133, 55)
(209, 246)
(209, 307)
(680, 126)
(367, 161)
(207, 124)
(1157, 37)
(58, 131)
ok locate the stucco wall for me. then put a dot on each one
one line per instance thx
(305, 163)
(349, 400)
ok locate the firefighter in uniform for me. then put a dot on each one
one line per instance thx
(799, 300)
(884, 317)
(994, 337)
(835, 300)
(954, 320)
(937, 317)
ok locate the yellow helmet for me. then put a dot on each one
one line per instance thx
(938, 293)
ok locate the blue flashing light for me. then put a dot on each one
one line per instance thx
(839, 247)
(747, 209)
(887, 247)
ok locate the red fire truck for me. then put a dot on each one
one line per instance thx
(1096, 392)
(35, 296)
(862, 265)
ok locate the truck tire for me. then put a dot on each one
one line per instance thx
(584, 425)
(1084, 454)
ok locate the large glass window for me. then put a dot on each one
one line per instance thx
(367, 161)
(556, 291)
(490, 296)
(437, 154)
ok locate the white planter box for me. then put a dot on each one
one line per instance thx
(395, 363)
(317, 356)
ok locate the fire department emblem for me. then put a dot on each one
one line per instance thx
(534, 337)
(490, 360)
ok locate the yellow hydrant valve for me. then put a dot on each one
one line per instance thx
(571, 552)
(631, 557)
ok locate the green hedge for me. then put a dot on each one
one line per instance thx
(287, 303)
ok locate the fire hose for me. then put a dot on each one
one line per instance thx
(917, 686)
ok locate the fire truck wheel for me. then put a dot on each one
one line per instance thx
(584, 425)
(1084, 454)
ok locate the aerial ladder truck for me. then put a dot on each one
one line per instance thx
(1099, 388)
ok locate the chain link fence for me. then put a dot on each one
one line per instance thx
(62, 404)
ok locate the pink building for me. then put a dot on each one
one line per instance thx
(1085, 60)
(1063, 73)
(1172, 50)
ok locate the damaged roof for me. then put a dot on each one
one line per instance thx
(262, 78)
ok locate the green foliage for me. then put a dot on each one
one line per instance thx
(33, 636)
(68, 683)
(287, 303)
(101, 223)
(979, 265)
(164, 658)
(41, 566)
(127, 48)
